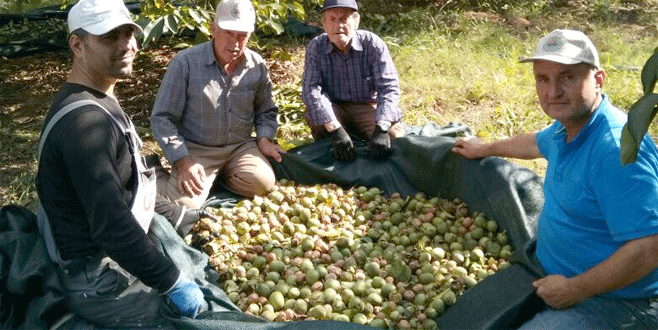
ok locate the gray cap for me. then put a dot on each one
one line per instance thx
(340, 4)
(566, 47)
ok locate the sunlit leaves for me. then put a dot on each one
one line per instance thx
(159, 17)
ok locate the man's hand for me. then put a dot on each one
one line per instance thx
(342, 147)
(380, 144)
(558, 292)
(270, 149)
(470, 147)
(190, 176)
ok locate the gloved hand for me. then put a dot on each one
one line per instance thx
(342, 147)
(380, 144)
(190, 218)
(187, 297)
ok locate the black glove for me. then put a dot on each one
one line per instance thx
(190, 218)
(380, 144)
(342, 147)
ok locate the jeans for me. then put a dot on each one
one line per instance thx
(599, 313)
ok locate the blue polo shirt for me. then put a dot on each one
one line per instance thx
(592, 204)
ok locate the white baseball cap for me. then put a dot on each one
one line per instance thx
(99, 16)
(236, 15)
(566, 47)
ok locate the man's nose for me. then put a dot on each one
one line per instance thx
(128, 42)
(555, 88)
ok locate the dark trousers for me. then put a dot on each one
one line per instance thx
(358, 120)
(103, 293)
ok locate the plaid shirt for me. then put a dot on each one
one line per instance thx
(365, 75)
(199, 102)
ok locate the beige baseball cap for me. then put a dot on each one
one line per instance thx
(236, 15)
(99, 16)
(566, 47)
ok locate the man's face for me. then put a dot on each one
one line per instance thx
(340, 24)
(229, 45)
(568, 93)
(111, 55)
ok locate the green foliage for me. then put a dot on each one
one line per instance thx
(160, 17)
(272, 14)
(642, 113)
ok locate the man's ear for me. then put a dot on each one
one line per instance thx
(76, 44)
(599, 76)
(213, 29)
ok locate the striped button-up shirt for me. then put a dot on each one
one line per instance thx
(199, 102)
(366, 74)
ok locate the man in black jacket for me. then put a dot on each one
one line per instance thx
(97, 196)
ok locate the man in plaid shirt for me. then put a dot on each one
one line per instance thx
(350, 84)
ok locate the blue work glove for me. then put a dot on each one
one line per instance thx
(342, 147)
(187, 297)
(380, 144)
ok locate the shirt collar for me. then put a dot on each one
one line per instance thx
(604, 106)
(355, 44)
(210, 59)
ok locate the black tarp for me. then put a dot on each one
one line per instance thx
(49, 39)
(506, 192)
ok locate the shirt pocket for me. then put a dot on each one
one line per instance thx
(242, 113)
(368, 87)
(242, 105)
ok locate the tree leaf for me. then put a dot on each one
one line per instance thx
(153, 30)
(171, 23)
(201, 37)
(640, 116)
(276, 26)
(650, 74)
(196, 16)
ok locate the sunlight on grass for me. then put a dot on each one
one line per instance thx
(472, 77)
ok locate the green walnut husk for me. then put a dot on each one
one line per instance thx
(324, 252)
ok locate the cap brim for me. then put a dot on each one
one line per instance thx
(339, 6)
(235, 26)
(551, 58)
(105, 27)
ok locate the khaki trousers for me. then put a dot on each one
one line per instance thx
(242, 168)
(358, 119)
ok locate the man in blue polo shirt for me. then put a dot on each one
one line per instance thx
(350, 84)
(597, 235)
